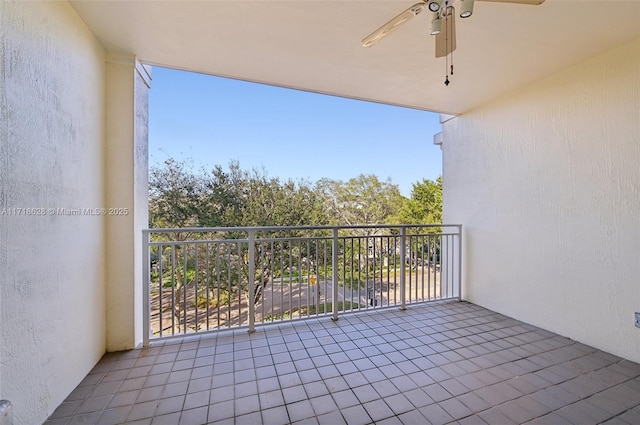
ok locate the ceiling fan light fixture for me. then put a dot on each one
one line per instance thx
(466, 9)
(433, 6)
(435, 26)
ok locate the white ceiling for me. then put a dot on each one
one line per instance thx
(315, 45)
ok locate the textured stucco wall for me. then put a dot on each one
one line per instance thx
(547, 184)
(52, 273)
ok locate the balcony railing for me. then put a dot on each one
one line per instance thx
(206, 279)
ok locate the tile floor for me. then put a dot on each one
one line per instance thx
(431, 364)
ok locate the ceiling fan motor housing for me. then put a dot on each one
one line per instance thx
(433, 6)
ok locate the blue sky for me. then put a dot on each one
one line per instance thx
(292, 134)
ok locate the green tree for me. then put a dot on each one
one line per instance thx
(252, 198)
(361, 200)
(181, 196)
(424, 207)
(425, 204)
(175, 194)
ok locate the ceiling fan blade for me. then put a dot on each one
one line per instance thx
(384, 30)
(530, 2)
(446, 38)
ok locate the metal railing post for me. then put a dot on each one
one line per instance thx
(146, 289)
(334, 273)
(403, 267)
(460, 262)
(251, 280)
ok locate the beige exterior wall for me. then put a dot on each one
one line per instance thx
(52, 270)
(547, 184)
(126, 156)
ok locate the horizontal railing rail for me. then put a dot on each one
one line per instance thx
(207, 279)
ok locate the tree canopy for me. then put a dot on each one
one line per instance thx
(182, 196)
(361, 200)
(425, 205)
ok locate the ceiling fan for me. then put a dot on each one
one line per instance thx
(442, 23)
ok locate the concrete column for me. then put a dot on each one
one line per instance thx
(126, 193)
